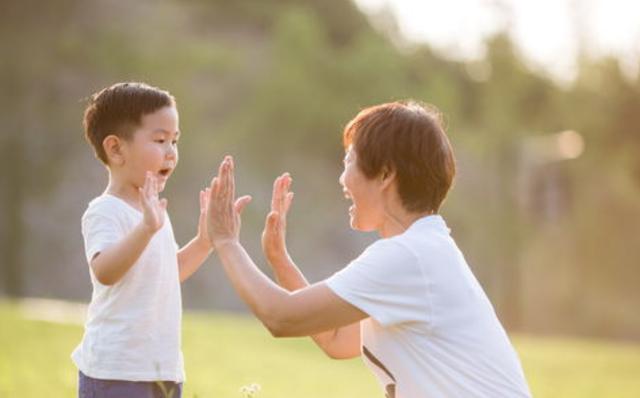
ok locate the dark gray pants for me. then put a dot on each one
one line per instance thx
(95, 388)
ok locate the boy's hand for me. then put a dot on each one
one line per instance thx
(203, 235)
(275, 228)
(223, 210)
(153, 208)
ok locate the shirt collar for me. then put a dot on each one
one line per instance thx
(434, 222)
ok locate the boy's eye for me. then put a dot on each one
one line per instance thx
(160, 141)
(174, 142)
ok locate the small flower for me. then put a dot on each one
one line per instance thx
(250, 390)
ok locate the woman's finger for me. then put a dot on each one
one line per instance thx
(288, 202)
(274, 193)
(241, 203)
(282, 193)
(213, 194)
(232, 181)
(224, 186)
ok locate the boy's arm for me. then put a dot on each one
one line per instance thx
(193, 254)
(112, 263)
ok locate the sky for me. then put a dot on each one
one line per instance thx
(548, 33)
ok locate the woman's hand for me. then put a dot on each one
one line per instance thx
(274, 235)
(223, 210)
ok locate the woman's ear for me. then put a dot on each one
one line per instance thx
(387, 177)
(112, 145)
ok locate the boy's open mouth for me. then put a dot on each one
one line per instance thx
(164, 172)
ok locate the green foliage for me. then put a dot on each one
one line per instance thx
(224, 353)
(273, 83)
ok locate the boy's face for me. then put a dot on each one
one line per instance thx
(153, 147)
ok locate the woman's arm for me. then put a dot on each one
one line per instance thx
(340, 343)
(307, 311)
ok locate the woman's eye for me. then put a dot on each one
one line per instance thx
(160, 141)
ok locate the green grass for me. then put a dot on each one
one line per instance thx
(225, 352)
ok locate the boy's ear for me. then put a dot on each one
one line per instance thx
(112, 145)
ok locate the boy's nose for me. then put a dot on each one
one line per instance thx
(172, 152)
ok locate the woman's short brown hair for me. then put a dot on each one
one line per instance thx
(118, 109)
(405, 137)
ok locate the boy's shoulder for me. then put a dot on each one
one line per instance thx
(106, 205)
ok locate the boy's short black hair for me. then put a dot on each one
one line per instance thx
(118, 109)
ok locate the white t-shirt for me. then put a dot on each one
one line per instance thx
(432, 332)
(133, 327)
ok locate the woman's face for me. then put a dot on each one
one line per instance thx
(367, 212)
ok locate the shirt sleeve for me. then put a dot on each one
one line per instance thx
(386, 282)
(100, 229)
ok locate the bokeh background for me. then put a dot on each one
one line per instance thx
(541, 101)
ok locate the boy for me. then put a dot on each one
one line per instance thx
(131, 344)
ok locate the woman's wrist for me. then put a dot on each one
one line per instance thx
(224, 244)
(282, 260)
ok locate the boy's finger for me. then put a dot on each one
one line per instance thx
(142, 197)
(145, 186)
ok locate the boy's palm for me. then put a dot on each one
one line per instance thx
(203, 233)
(153, 208)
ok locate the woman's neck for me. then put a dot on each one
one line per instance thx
(398, 220)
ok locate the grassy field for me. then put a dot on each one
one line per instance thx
(225, 352)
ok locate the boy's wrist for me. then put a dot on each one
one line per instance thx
(146, 230)
(203, 243)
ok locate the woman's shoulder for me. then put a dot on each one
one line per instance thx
(394, 249)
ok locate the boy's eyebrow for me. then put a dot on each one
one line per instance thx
(165, 131)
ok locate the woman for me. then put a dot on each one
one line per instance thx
(409, 303)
